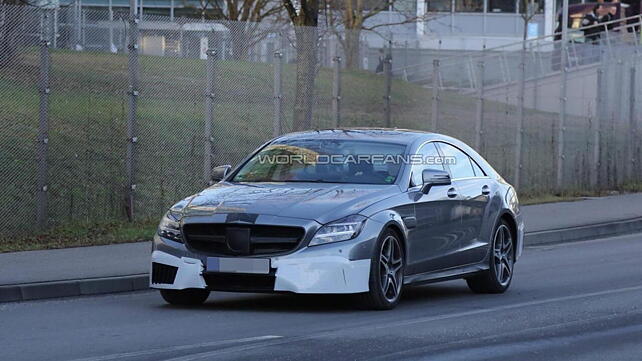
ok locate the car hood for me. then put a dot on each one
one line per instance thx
(322, 202)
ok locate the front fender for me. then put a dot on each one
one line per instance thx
(392, 219)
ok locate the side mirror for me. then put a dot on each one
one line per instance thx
(220, 172)
(434, 177)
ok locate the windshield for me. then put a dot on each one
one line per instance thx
(324, 161)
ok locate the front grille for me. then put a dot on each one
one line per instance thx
(240, 239)
(162, 273)
(239, 282)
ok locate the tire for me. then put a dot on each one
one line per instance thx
(187, 297)
(386, 273)
(498, 277)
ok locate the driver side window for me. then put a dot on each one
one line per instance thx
(430, 159)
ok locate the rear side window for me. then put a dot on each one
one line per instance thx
(459, 163)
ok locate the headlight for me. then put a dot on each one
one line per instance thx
(511, 200)
(170, 227)
(341, 230)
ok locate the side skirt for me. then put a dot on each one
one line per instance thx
(445, 275)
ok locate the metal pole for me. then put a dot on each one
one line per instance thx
(599, 106)
(562, 116)
(132, 131)
(83, 28)
(112, 47)
(519, 131)
(387, 70)
(633, 126)
(278, 93)
(479, 120)
(43, 128)
(54, 38)
(336, 91)
(210, 89)
(171, 11)
(405, 61)
(77, 25)
(435, 95)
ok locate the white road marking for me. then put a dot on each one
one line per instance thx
(123, 355)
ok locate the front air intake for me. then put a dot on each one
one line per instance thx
(163, 274)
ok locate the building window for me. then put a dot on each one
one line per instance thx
(469, 6)
(438, 6)
(539, 5)
(501, 6)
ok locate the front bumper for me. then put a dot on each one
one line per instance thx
(520, 237)
(337, 268)
(324, 274)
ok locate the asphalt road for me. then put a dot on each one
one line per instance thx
(580, 301)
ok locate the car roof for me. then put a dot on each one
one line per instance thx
(403, 136)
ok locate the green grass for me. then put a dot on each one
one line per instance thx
(527, 198)
(82, 235)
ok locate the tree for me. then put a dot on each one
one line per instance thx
(528, 10)
(249, 21)
(304, 15)
(348, 18)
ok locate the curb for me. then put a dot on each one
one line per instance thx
(96, 286)
(584, 233)
(70, 288)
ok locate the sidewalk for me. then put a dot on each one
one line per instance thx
(124, 267)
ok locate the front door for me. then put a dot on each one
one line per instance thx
(434, 242)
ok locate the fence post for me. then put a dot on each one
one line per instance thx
(42, 148)
(435, 95)
(519, 132)
(336, 90)
(132, 129)
(633, 126)
(387, 70)
(405, 61)
(561, 126)
(78, 18)
(479, 119)
(210, 93)
(278, 93)
(596, 180)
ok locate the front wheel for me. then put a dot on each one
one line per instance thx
(187, 297)
(386, 273)
(502, 260)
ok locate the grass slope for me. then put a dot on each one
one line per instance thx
(87, 139)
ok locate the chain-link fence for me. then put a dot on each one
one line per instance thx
(108, 118)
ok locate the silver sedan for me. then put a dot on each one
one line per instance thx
(345, 211)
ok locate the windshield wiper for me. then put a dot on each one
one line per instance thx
(306, 181)
(292, 181)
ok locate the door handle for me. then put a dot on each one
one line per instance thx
(452, 193)
(485, 190)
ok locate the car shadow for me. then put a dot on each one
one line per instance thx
(413, 296)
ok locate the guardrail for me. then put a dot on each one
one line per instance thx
(542, 56)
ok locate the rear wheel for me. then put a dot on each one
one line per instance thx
(386, 273)
(187, 297)
(498, 277)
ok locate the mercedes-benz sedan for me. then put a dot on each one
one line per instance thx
(347, 211)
